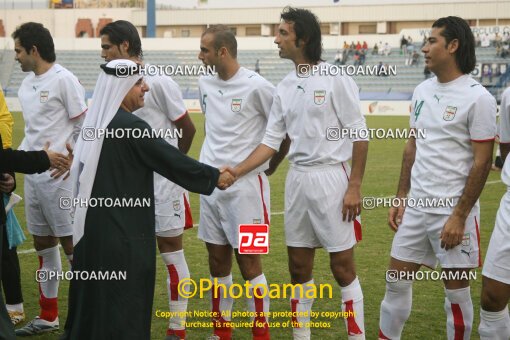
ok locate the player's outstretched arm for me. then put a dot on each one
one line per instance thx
(278, 157)
(453, 230)
(352, 198)
(260, 155)
(395, 213)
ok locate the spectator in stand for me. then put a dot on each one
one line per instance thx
(358, 46)
(486, 42)
(409, 40)
(403, 45)
(505, 50)
(414, 58)
(381, 48)
(346, 45)
(410, 51)
(364, 47)
(498, 40)
(387, 49)
(345, 56)
(362, 57)
(356, 58)
(375, 50)
(506, 38)
(478, 41)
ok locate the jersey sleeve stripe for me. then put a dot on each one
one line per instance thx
(78, 116)
(181, 116)
(483, 140)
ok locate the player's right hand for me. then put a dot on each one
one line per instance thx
(226, 179)
(395, 215)
(58, 162)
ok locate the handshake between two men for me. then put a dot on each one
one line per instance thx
(227, 177)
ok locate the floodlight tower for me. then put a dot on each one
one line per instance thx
(151, 18)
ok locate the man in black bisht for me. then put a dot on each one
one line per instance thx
(121, 239)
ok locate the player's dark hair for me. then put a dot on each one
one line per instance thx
(223, 37)
(32, 34)
(458, 28)
(120, 31)
(307, 28)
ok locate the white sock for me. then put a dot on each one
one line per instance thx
(15, 308)
(302, 305)
(352, 303)
(177, 270)
(494, 325)
(221, 300)
(50, 261)
(259, 305)
(395, 309)
(459, 313)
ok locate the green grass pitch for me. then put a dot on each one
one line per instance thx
(427, 319)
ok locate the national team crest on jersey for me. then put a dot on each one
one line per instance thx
(449, 113)
(236, 105)
(177, 205)
(43, 96)
(319, 97)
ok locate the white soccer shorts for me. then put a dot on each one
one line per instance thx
(313, 208)
(245, 202)
(417, 240)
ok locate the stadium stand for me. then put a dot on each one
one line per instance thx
(84, 65)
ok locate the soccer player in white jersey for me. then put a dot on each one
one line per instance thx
(53, 104)
(494, 317)
(322, 194)
(164, 111)
(452, 162)
(236, 104)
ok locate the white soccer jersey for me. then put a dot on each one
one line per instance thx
(306, 109)
(451, 115)
(504, 133)
(50, 102)
(163, 106)
(236, 114)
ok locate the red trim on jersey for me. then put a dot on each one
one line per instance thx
(78, 116)
(483, 140)
(458, 322)
(352, 326)
(174, 282)
(266, 216)
(293, 308)
(478, 241)
(357, 230)
(382, 336)
(181, 116)
(188, 218)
